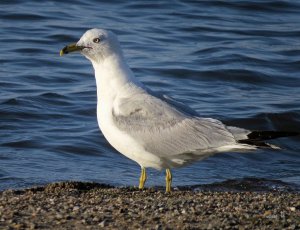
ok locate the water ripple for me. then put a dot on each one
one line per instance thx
(233, 60)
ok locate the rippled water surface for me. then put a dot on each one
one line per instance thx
(238, 61)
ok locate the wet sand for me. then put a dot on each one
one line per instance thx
(80, 205)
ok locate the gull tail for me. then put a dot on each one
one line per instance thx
(258, 138)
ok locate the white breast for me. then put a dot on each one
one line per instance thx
(121, 141)
(112, 78)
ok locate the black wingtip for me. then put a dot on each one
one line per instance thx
(258, 138)
(268, 135)
(260, 144)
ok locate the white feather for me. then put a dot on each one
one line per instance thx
(155, 131)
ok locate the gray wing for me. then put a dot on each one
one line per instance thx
(178, 105)
(165, 130)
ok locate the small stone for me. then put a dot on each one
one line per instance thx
(95, 219)
(102, 224)
(267, 213)
(158, 227)
(293, 209)
(59, 216)
(75, 208)
(121, 210)
(16, 226)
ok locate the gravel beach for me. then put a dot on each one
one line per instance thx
(80, 205)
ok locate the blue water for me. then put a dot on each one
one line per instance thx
(238, 61)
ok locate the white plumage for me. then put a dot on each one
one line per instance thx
(153, 130)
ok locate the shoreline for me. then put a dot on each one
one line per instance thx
(84, 205)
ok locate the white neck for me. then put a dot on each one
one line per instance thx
(112, 74)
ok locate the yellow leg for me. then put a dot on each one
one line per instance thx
(168, 180)
(143, 178)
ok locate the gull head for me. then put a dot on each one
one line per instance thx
(96, 45)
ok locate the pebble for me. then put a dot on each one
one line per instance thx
(79, 205)
(75, 208)
(293, 209)
(103, 224)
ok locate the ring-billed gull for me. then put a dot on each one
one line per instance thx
(154, 130)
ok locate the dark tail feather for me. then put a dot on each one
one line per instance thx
(257, 138)
(268, 135)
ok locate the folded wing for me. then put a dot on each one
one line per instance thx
(167, 130)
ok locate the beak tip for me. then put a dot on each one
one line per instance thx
(70, 48)
(61, 53)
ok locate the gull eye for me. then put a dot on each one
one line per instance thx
(96, 40)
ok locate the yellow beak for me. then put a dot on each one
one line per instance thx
(70, 48)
